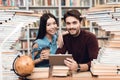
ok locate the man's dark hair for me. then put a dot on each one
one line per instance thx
(73, 13)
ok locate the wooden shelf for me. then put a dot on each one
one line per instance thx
(41, 7)
(34, 28)
(22, 49)
(25, 39)
(8, 7)
(84, 28)
(103, 37)
(73, 7)
(64, 28)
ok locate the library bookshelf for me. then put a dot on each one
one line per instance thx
(58, 8)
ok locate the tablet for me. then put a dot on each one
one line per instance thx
(58, 59)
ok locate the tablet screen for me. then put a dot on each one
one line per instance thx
(58, 59)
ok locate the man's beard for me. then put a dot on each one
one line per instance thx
(76, 31)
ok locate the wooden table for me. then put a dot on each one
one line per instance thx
(70, 78)
(60, 78)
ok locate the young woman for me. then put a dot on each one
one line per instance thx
(46, 41)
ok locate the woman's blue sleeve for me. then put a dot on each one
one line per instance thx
(33, 51)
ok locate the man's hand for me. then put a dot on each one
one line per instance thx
(71, 64)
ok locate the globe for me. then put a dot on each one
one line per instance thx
(23, 65)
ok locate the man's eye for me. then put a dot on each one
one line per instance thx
(74, 22)
(68, 23)
(54, 23)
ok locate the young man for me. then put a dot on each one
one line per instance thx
(82, 44)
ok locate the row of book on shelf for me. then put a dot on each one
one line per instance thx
(12, 2)
(81, 3)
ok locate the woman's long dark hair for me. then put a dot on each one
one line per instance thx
(42, 26)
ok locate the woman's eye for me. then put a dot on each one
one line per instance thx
(48, 24)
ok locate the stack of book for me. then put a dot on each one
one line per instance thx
(114, 41)
(99, 19)
(11, 27)
(115, 35)
(116, 15)
(60, 70)
(39, 73)
(103, 69)
(7, 59)
(82, 74)
(108, 55)
(107, 63)
(10, 33)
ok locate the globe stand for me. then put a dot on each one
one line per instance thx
(23, 78)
